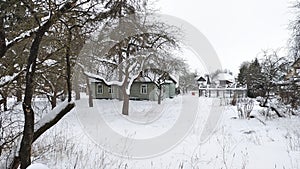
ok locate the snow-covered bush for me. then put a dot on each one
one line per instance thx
(245, 107)
(11, 125)
(275, 106)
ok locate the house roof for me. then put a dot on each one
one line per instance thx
(150, 78)
(224, 77)
(201, 79)
(173, 78)
(143, 79)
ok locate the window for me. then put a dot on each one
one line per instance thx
(144, 89)
(110, 90)
(99, 89)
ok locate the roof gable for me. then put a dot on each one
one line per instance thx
(201, 79)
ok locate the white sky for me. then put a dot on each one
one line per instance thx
(237, 29)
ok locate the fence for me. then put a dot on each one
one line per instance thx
(223, 92)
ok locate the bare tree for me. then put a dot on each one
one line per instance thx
(272, 65)
(34, 20)
(130, 46)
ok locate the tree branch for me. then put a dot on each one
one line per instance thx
(52, 118)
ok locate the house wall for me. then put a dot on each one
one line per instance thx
(202, 84)
(105, 94)
(222, 83)
(93, 88)
(166, 91)
(169, 90)
(135, 91)
(153, 95)
(172, 89)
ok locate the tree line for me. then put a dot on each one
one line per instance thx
(51, 48)
(271, 74)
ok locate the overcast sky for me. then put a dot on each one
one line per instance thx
(237, 29)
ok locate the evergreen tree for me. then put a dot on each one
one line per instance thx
(243, 72)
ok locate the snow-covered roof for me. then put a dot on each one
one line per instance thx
(98, 78)
(144, 79)
(147, 79)
(175, 79)
(224, 77)
(152, 77)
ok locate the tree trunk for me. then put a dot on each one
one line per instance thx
(77, 92)
(89, 92)
(159, 94)
(15, 163)
(5, 103)
(19, 90)
(4, 99)
(25, 149)
(68, 73)
(3, 47)
(120, 76)
(19, 95)
(275, 110)
(125, 108)
(16, 160)
(266, 99)
(2, 102)
(76, 86)
(28, 131)
(53, 100)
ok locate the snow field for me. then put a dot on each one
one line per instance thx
(235, 143)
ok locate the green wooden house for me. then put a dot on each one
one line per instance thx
(141, 89)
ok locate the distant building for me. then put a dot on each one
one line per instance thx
(218, 80)
(203, 81)
(220, 85)
(223, 79)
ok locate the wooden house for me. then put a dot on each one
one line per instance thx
(141, 89)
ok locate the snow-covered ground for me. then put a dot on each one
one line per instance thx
(232, 142)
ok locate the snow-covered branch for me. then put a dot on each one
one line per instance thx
(8, 79)
(52, 118)
(130, 83)
(105, 61)
(135, 76)
(22, 36)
